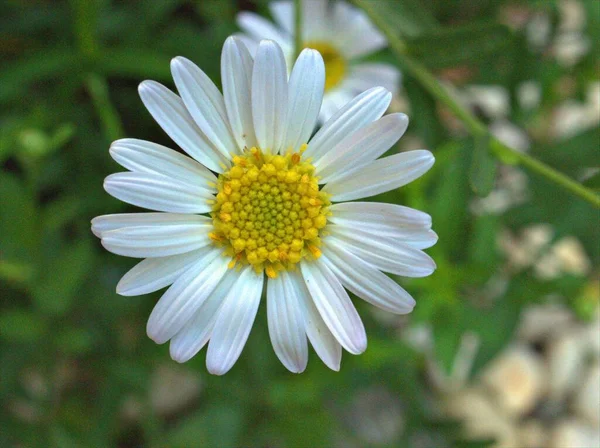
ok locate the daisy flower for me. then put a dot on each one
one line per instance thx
(246, 210)
(342, 34)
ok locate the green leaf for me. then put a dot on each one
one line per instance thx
(449, 47)
(593, 182)
(410, 18)
(21, 326)
(483, 167)
(55, 291)
(17, 220)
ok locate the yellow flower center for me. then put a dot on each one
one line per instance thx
(335, 65)
(269, 211)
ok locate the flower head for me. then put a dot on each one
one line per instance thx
(248, 207)
(341, 33)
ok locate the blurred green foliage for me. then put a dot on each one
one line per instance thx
(75, 355)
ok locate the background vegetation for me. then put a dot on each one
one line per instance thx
(76, 368)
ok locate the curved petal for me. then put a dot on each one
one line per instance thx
(157, 192)
(324, 343)
(367, 75)
(283, 13)
(360, 148)
(170, 113)
(141, 156)
(179, 303)
(353, 33)
(157, 241)
(362, 110)
(152, 274)
(381, 175)
(334, 305)
(260, 28)
(269, 96)
(106, 223)
(204, 103)
(387, 256)
(286, 325)
(364, 213)
(306, 86)
(234, 322)
(196, 333)
(236, 76)
(367, 282)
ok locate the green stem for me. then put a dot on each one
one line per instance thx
(475, 127)
(297, 28)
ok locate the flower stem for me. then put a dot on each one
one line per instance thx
(504, 152)
(297, 28)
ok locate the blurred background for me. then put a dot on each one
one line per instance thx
(503, 347)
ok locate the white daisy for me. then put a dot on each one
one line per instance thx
(342, 34)
(247, 209)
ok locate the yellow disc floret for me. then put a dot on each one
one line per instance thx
(269, 210)
(335, 64)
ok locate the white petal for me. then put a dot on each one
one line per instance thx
(195, 334)
(385, 255)
(360, 148)
(234, 322)
(353, 33)
(324, 343)
(333, 100)
(250, 44)
(179, 303)
(316, 22)
(305, 93)
(382, 175)
(367, 282)
(260, 28)
(152, 274)
(362, 110)
(334, 305)
(146, 157)
(283, 13)
(378, 221)
(157, 240)
(157, 192)
(204, 103)
(170, 113)
(363, 213)
(366, 76)
(236, 76)
(269, 96)
(106, 223)
(286, 325)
